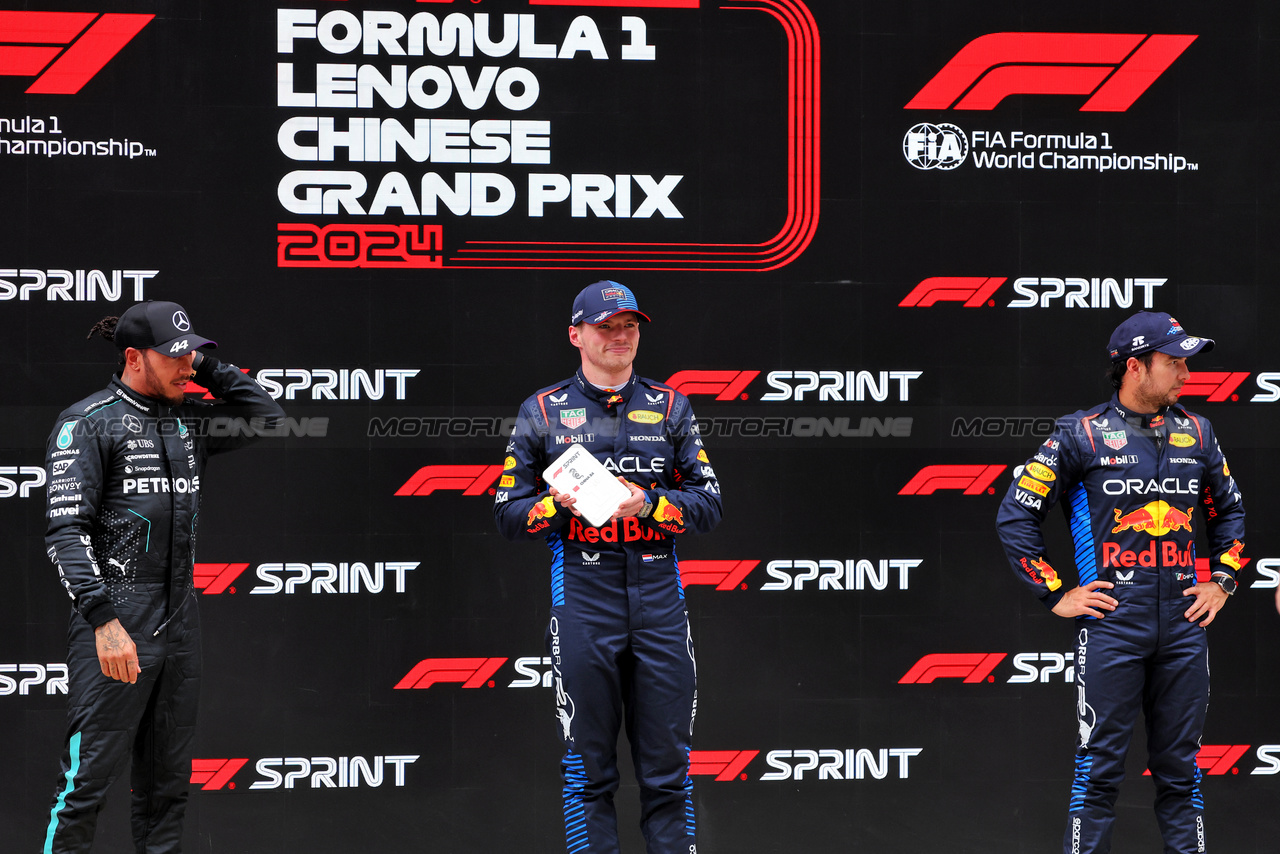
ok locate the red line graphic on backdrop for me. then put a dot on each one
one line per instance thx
(802, 132)
(1114, 68)
(62, 50)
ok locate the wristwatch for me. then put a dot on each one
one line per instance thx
(1226, 582)
(645, 510)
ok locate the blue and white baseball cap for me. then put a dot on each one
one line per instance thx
(1153, 330)
(598, 302)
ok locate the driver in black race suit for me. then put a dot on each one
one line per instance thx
(618, 636)
(1135, 477)
(124, 469)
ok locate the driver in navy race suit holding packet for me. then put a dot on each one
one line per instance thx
(618, 636)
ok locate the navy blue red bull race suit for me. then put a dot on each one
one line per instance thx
(1133, 488)
(124, 475)
(618, 636)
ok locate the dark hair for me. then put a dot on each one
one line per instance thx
(1117, 370)
(106, 327)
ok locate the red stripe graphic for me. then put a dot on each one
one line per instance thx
(803, 181)
(638, 4)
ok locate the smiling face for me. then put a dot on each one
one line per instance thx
(607, 348)
(1148, 389)
(157, 375)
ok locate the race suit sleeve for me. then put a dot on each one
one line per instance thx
(1223, 507)
(695, 504)
(1037, 486)
(245, 411)
(522, 505)
(76, 457)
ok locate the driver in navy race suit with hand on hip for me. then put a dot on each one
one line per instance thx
(1135, 477)
(618, 637)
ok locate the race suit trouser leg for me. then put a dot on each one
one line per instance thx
(1110, 670)
(1176, 701)
(1164, 672)
(660, 707)
(651, 672)
(587, 683)
(106, 720)
(161, 771)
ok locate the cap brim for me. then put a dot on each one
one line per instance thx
(1188, 346)
(182, 345)
(602, 317)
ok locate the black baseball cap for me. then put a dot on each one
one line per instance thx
(1153, 330)
(600, 301)
(160, 326)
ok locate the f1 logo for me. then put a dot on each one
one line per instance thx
(973, 291)
(471, 479)
(974, 479)
(724, 764)
(724, 574)
(62, 50)
(213, 774)
(1216, 759)
(1216, 386)
(725, 385)
(969, 666)
(1114, 68)
(471, 672)
(214, 578)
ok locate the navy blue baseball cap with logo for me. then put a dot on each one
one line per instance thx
(1153, 330)
(598, 302)
(160, 326)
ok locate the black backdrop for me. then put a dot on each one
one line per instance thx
(857, 290)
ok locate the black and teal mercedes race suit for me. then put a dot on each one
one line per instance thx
(124, 476)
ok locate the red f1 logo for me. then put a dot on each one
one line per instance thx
(62, 50)
(1214, 386)
(471, 672)
(724, 764)
(724, 574)
(213, 578)
(1216, 759)
(471, 479)
(1114, 68)
(213, 774)
(973, 291)
(971, 666)
(725, 385)
(974, 480)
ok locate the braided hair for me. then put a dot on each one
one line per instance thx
(106, 327)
